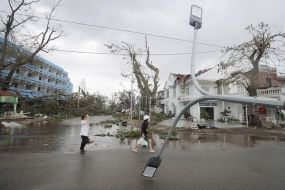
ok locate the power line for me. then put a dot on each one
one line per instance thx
(125, 54)
(118, 29)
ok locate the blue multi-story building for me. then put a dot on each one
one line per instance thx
(40, 78)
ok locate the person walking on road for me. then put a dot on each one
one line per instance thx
(84, 132)
(146, 134)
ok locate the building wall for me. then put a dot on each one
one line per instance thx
(40, 78)
(181, 94)
(176, 103)
(186, 92)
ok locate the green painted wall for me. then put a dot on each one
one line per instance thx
(9, 99)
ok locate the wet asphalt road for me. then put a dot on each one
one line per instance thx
(196, 162)
(233, 168)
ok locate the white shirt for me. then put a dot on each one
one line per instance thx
(84, 128)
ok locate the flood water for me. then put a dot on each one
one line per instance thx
(199, 160)
(64, 136)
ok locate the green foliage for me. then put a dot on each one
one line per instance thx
(128, 134)
(66, 107)
(219, 82)
(173, 135)
(225, 112)
(220, 120)
(121, 116)
(109, 121)
(100, 135)
(205, 115)
(157, 117)
(108, 126)
(186, 115)
(136, 116)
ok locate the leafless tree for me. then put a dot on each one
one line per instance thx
(83, 87)
(14, 56)
(146, 74)
(265, 47)
(243, 61)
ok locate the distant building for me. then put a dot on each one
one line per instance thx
(179, 90)
(40, 78)
(159, 99)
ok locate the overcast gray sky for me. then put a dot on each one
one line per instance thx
(224, 22)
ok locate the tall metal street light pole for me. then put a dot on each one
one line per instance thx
(196, 21)
(132, 83)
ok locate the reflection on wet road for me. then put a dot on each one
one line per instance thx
(64, 136)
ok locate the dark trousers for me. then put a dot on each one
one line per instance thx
(144, 133)
(84, 141)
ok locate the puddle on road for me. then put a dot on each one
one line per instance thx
(64, 136)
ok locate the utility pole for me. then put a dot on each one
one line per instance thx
(139, 102)
(132, 81)
(78, 94)
(149, 106)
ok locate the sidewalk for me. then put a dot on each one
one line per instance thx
(185, 123)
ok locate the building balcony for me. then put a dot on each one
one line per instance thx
(272, 92)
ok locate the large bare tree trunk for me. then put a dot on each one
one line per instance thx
(147, 81)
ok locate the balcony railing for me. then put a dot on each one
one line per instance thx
(271, 92)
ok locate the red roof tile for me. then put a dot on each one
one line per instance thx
(6, 93)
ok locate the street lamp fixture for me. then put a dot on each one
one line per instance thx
(151, 166)
(196, 16)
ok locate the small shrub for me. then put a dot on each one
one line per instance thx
(100, 135)
(220, 120)
(122, 134)
(205, 115)
(157, 117)
(110, 121)
(108, 126)
(187, 115)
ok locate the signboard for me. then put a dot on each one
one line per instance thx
(208, 103)
(9, 99)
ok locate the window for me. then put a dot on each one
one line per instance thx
(28, 87)
(187, 92)
(39, 88)
(174, 91)
(40, 78)
(29, 74)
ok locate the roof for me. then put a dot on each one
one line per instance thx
(6, 93)
(211, 74)
(181, 78)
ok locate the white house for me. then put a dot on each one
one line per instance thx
(179, 90)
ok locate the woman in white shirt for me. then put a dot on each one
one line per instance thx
(84, 132)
